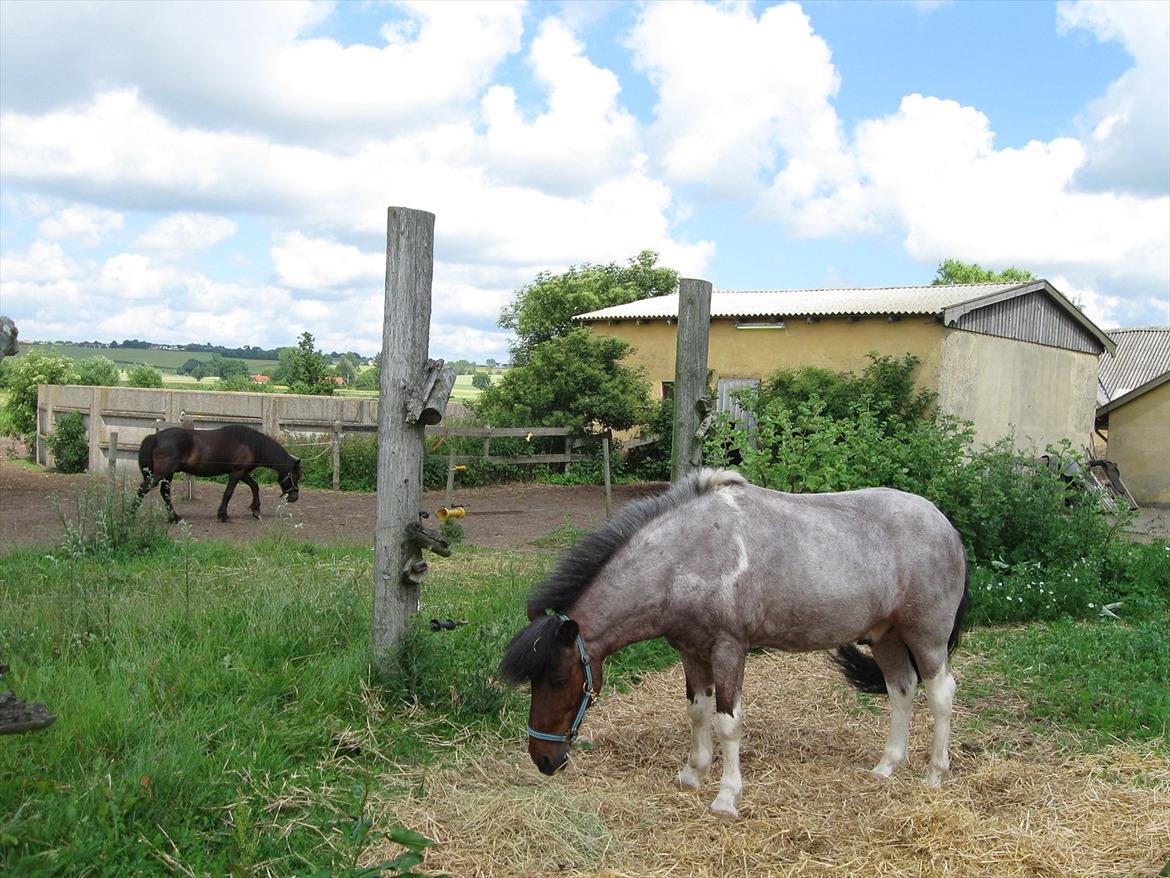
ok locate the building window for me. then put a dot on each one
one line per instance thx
(668, 390)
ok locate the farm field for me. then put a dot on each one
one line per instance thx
(218, 714)
(166, 361)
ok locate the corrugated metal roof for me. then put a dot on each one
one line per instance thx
(1143, 353)
(810, 303)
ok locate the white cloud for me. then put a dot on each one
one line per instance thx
(1128, 129)
(306, 263)
(252, 67)
(584, 137)
(81, 223)
(734, 90)
(182, 234)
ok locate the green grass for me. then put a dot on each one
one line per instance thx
(218, 711)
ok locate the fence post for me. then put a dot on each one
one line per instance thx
(398, 536)
(113, 462)
(449, 497)
(337, 455)
(690, 376)
(608, 489)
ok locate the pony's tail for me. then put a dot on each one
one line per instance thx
(146, 453)
(863, 672)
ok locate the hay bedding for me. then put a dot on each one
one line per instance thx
(1015, 805)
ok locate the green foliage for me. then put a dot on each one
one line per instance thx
(23, 376)
(574, 380)
(104, 523)
(97, 371)
(1107, 676)
(952, 271)
(306, 369)
(243, 384)
(69, 444)
(142, 375)
(237, 370)
(481, 380)
(544, 309)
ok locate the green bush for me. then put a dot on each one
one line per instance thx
(69, 444)
(23, 376)
(97, 371)
(103, 523)
(142, 375)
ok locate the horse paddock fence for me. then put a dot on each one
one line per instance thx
(117, 419)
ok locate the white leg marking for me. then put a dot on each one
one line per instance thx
(901, 706)
(940, 693)
(699, 757)
(729, 729)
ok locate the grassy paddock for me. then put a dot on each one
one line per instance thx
(218, 713)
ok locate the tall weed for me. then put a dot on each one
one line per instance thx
(103, 522)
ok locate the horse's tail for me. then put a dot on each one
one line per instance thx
(863, 672)
(146, 454)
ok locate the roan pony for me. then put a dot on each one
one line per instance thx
(716, 566)
(235, 450)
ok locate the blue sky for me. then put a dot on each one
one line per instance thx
(220, 172)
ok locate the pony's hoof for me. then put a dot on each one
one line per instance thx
(688, 779)
(724, 808)
(176, 518)
(256, 515)
(934, 777)
(222, 517)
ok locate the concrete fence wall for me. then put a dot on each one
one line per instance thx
(134, 412)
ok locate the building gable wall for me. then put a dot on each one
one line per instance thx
(1034, 317)
(1139, 443)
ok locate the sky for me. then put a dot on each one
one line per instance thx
(220, 172)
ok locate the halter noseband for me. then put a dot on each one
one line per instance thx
(586, 698)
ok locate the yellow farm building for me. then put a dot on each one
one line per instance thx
(1016, 359)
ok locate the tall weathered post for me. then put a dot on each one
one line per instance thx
(692, 404)
(414, 392)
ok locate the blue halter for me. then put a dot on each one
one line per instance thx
(586, 698)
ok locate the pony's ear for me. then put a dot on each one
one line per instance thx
(568, 630)
(534, 612)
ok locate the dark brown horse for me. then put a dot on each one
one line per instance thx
(235, 451)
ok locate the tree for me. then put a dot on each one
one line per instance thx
(230, 368)
(97, 371)
(23, 376)
(308, 368)
(347, 368)
(574, 380)
(189, 367)
(142, 375)
(199, 370)
(481, 380)
(544, 309)
(952, 271)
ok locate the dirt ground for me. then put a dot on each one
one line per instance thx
(506, 516)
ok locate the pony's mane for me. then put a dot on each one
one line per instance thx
(581, 564)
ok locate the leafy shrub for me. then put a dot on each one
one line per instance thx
(104, 523)
(23, 376)
(481, 380)
(142, 375)
(69, 444)
(97, 371)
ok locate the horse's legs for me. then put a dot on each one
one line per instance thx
(227, 495)
(164, 488)
(727, 658)
(251, 483)
(700, 706)
(894, 660)
(940, 690)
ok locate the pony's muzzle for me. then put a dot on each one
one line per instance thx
(293, 495)
(550, 765)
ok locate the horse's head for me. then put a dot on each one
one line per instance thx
(290, 479)
(550, 654)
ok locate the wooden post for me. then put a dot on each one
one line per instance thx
(608, 489)
(405, 338)
(337, 455)
(112, 457)
(690, 375)
(449, 497)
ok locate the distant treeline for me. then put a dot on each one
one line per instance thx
(247, 352)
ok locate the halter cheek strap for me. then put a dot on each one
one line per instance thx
(586, 698)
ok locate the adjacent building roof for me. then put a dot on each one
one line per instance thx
(954, 304)
(1143, 353)
(1121, 399)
